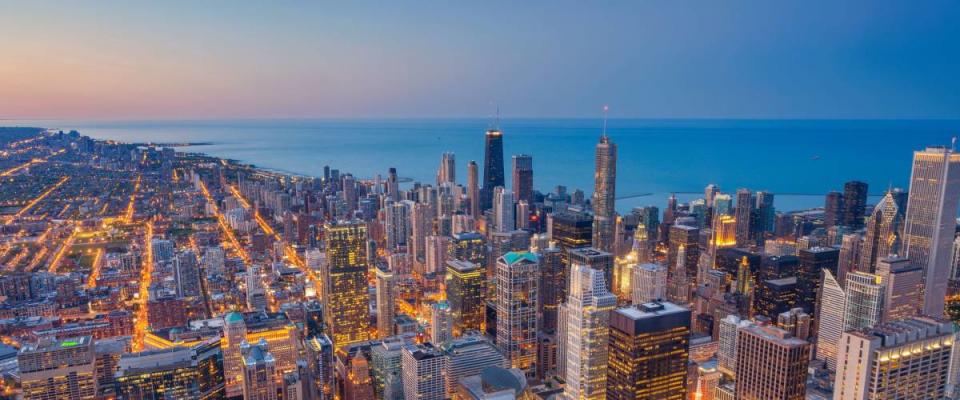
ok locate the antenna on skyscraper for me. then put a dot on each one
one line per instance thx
(497, 123)
(603, 134)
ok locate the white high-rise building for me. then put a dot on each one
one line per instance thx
(585, 332)
(424, 373)
(386, 308)
(831, 308)
(727, 350)
(931, 220)
(504, 210)
(903, 359)
(649, 283)
(441, 323)
(448, 169)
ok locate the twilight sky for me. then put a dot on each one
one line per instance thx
(648, 59)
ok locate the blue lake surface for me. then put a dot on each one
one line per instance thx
(798, 160)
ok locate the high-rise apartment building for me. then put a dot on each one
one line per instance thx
(517, 283)
(743, 213)
(424, 373)
(386, 301)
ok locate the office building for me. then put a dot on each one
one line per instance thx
(523, 177)
(261, 378)
(584, 333)
(649, 283)
(492, 166)
(854, 204)
(743, 213)
(774, 296)
(883, 234)
(178, 372)
(504, 210)
(447, 172)
(771, 364)
(903, 282)
(930, 221)
(833, 209)
(473, 189)
(831, 309)
(864, 305)
(648, 352)
(58, 370)
(727, 337)
(468, 356)
(465, 290)
(594, 258)
(345, 300)
(902, 359)
(441, 322)
(553, 286)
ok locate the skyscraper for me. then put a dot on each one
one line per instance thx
(523, 177)
(743, 214)
(884, 230)
(441, 322)
(473, 189)
(492, 166)
(902, 282)
(194, 372)
(584, 333)
(649, 283)
(345, 299)
(854, 204)
(931, 220)
(771, 364)
(386, 308)
(766, 213)
(447, 172)
(553, 286)
(517, 282)
(594, 258)
(903, 359)
(833, 209)
(260, 376)
(648, 352)
(604, 194)
(63, 370)
(465, 289)
(504, 210)
(864, 305)
(424, 373)
(830, 311)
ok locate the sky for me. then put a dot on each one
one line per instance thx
(397, 59)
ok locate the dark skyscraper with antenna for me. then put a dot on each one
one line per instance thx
(492, 165)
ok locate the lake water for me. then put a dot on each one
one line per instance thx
(799, 161)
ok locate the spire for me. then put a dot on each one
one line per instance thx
(603, 133)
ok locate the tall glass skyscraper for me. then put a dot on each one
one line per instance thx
(604, 194)
(345, 298)
(931, 220)
(492, 166)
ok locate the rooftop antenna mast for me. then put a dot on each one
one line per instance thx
(604, 132)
